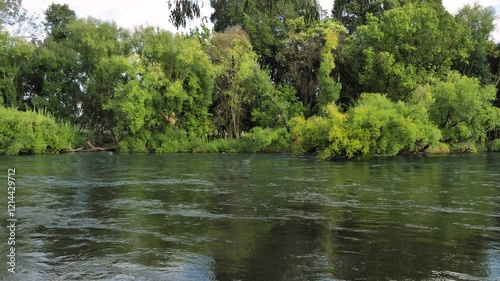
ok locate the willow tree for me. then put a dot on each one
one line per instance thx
(239, 81)
(463, 109)
(166, 84)
(405, 47)
(308, 58)
(479, 21)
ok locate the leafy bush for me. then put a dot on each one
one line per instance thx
(494, 145)
(265, 140)
(32, 133)
(309, 135)
(375, 126)
(132, 144)
(172, 140)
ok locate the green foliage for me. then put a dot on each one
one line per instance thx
(375, 126)
(257, 140)
(178, 75)
(195, 73)
(463, 109)
(171, 141)
(133, 144)
(32, 133)
(277, 108)
(308, 61)
(132, 102)
(220, 145)
(177, 140)
(14, 55)
(309, 135)
(267, 26)
(240, 83)
(266, 140)
(96, 43)
(405, 48)
(53, 80)
(74, 72)
(353, 13)
(480, 24)
(494, 145)
(329, 87)
(183, 10)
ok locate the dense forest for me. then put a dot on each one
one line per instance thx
(372, 78)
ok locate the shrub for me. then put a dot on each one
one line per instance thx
(172, 140)
(265, 140)
(494, 145)
(309, 135)
(32, 133)
(375, 126)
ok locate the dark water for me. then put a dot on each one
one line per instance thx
(253, 217)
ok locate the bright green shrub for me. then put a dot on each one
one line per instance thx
(378, 126)
(375, 126)
(309, 135)
(32, 133)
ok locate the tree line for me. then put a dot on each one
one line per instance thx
(374, 78)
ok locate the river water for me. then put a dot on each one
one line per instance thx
(110, 216)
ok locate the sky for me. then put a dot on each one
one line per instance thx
(130, 13)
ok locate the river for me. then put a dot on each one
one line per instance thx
(111, 216)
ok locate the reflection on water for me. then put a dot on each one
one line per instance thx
(109, 216)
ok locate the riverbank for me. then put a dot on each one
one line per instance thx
(29, 133)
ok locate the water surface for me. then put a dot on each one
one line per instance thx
(109, 216)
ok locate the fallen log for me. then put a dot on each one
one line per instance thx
(93, 148)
